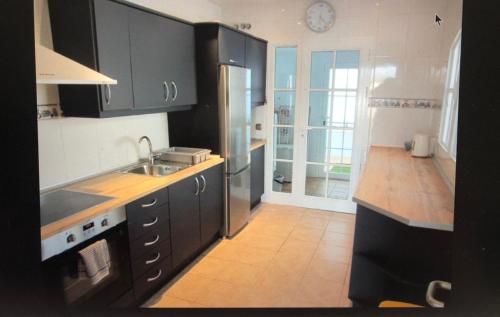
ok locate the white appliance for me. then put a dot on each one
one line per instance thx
(56, 69)
(421, 146)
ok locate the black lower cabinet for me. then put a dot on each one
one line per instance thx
(211, 206)
(257, 176)
(185, 220)
(394, 261)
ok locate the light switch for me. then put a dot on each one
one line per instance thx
(258, 127)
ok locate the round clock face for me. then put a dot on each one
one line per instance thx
(320, 17)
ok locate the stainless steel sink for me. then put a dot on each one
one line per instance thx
(156, 170)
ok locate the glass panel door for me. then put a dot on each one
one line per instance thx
(284, 118)
(333, 94)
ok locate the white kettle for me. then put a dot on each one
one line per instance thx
(421, 146)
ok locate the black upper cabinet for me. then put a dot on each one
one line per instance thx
(231, 47)
(256, 60)
(211, 204)
(163, 61)
(151, 56)
(106, 50)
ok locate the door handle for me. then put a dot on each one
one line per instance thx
(154, 260)
(431, 291)
(154, 278)
(176, 91)
(155, 201)
(204, 183)
(197, 186)
(107, 95)
(166, 91)
(148, 244)
(146, 225)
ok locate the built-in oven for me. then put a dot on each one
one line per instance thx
(65, 275)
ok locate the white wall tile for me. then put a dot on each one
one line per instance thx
(392, 35)
(51, 153)
(390, 77)
(424, 37)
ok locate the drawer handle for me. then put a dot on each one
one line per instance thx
(154, 260)
(151, 223)
(148, 244)
(204, 183)
(155, 201)
(152, 279)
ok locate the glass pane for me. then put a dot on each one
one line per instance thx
(316, 180)
(352, 79)
(350, 112)
(322, 70)
(282, 177)
(284, 108)
(341, 78)
(317, 144)
(347, 59)
(348, 139)
(446, 123)
(339, 107)
(319, 108)
(347, 157)
(338, 186)
(337, 139)
(283, 143)
(286, 67)
(335, 156)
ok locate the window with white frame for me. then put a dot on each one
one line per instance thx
(449, 115)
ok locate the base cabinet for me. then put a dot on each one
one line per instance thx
(257, 178)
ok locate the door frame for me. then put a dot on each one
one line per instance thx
(361, 131)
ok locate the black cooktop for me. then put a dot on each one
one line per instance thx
(60, 204)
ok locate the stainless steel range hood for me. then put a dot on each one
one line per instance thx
(56, 69)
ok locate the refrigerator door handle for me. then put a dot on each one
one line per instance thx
(239, 172)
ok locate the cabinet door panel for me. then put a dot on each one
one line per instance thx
(113, 49)
(149, 58)
(231, 47)
(256, 60)
(211, 207)
(257, 182)
(182, 63)
(184, 220)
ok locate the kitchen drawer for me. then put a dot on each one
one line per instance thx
(137, 208)
(153, 279)
(147, 220)
(151, 258)
(150, 240)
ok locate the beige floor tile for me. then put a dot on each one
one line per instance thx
(332, 253)
(340, 227)
(173, 302)
(218, 294)
(306, 234)
(335, 272)
(338, 239)
(243, 253)
(303, 248)
(343, 217)
(241, 274)
(189, 287)
(211, 267)
(315, 291)
(314, 222)
(266, 242)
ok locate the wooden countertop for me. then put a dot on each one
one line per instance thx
(406, 189)
(257, 143)
(125, 188)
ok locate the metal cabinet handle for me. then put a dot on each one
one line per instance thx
(176, 91)
(148, 244)
(431, 290)
(151, 223)
(155, 201)
(197, 186)
(152, 279)
(107, 95)
(204, 183)
(154, 260)
(166, 91)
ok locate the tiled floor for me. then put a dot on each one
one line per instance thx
(285, 257)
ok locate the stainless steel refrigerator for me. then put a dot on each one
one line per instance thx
(235, 124)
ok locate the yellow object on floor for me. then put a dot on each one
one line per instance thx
(392, 304)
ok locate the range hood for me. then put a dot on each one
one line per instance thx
(56, 69)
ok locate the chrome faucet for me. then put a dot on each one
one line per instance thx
(151, 157)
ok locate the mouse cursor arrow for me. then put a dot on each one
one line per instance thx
(438, 20)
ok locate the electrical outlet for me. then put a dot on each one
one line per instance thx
(258, 127)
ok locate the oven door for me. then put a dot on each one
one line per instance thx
(65, 276)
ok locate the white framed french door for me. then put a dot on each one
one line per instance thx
(316, 144)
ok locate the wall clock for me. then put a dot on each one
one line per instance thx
(320, 17)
